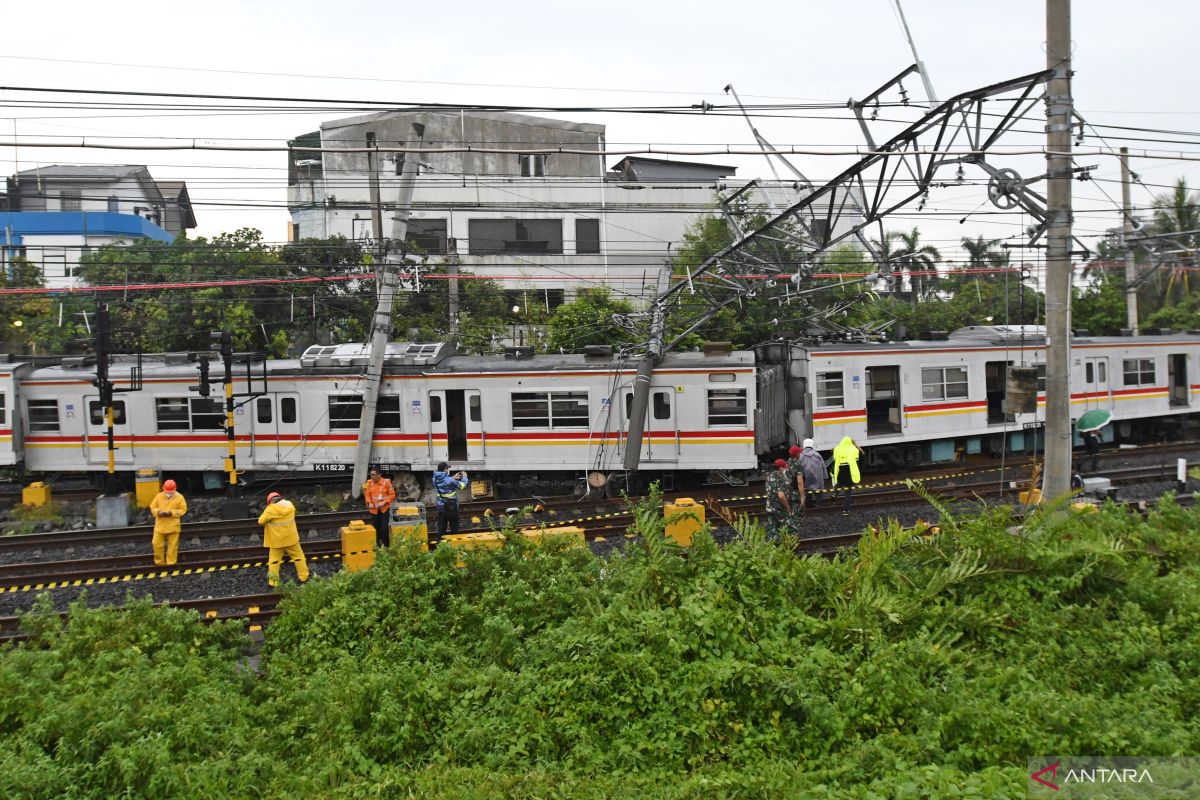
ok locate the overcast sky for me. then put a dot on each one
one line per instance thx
(1133, 65)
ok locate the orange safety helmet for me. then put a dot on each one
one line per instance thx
(273, 496)
(168, 485)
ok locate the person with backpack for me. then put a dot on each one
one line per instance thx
(812, 474)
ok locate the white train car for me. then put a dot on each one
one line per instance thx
(11, 429)
(489, 415)
(933, 401)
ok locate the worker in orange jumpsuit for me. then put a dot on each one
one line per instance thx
(280, 535)
(167, 508)
(380, 494)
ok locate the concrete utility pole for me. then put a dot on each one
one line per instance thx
(376, 204)
(641, 384)
(1131, 300)
(381, 325)
(1059, 439)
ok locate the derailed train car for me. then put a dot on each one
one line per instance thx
(544, 422)
(918, 402)
(518, 421)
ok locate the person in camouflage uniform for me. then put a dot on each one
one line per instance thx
(795, 479)
(779, 507)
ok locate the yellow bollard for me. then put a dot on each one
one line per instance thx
(691, 520)
(358, 546)
(146, 486)
(35, 495)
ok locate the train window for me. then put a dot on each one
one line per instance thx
(287, 410)
(43, 416)
(1041, 378)
(96, 412)
(475, 408)
(569, 409)
(721, 377)
(3, 409)
(1102, 371)
(207, 414)
(550, 409)
(943, 383)
(262, 410)
(830, 393)
(435, 408)
(1139, 371)
(387, 412)
(171, 413)
(662, 405)
(530, 410)
(345, 411)
(1089, 372)
(726, 406)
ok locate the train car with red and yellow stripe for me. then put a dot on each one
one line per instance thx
(918, 402)
(11, 429)
(514, 420)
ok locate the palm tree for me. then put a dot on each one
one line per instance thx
(889, 256)
(921, 262)
(1178, 211)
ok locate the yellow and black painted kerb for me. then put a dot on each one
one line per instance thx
(131, 577)
(879, 485)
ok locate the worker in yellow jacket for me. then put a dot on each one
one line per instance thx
(846, 453)
(280, 535)
(167, 508)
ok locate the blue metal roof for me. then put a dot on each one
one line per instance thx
(78, 223)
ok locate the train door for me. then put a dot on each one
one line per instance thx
(276, 425)
(455, 419)
(660, 437)
(995, 377)
(1095, 382)
(95, 432)
(1177, 379)
(883, 401)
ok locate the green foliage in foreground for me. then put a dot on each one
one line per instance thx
(911, 668)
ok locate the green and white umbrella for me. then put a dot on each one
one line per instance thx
(1093, 420)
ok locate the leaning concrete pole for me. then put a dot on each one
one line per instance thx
(641, 384)
(381, 323)
(1131, 289)
(1059, 439)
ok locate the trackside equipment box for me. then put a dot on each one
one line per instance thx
(690, 518)
(408, 523)
(358, 546)
(146, 487)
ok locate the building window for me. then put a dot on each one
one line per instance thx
(262, 408)
(943, 383)
(43, 416)
(287, 410)
(829, 390)
(726, 407)
(550, 409)
(345, 411)
(96, 412)
(1139, 372)
(427, 235)
(519, 236)
(70, 200)
(587, 236)
(387, 412)
(533, 166)
(171, 413)
(114, 204)
(207, 414)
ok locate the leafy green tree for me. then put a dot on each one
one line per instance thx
(588, 319)
(1182, 316)
(29, 323)
(920, 261)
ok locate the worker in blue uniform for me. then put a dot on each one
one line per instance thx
(447, 487)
